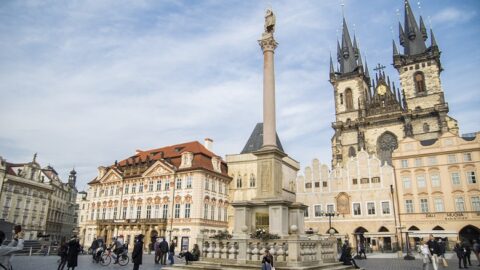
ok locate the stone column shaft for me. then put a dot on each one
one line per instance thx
(268, 45)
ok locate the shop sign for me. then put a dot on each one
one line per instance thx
(455, 216)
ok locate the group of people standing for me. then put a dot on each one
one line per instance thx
(433, 251)
(68, 252)
(162, 250)
(464, 251)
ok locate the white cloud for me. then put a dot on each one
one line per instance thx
(86, 83)
(452, 15)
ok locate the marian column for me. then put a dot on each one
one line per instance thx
(268, 45)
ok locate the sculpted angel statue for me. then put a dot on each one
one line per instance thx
(269, 21)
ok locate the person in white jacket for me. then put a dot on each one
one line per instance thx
(425, 252)
(6, 251)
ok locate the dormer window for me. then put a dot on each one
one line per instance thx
(187, 158)
(216, 163)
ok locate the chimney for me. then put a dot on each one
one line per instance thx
(208, 144)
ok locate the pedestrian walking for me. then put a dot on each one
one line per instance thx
(459, 250)
(137, 253)
(267, 261)
(476, 250)
(72, 253)
(425, 252)
(15, 245)
(156, 249)
(62, 252)
(468, 252)
(171, 253)
(361, 250)
(434, 251)
(163, 252)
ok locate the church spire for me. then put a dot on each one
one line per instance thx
(423, 29)
(413, 37)
(348, 60)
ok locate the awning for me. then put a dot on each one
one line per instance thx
(435, 233)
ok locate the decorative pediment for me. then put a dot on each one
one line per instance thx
(110, 177)
(157, 169)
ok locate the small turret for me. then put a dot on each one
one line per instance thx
(72, 178)
(432, 39)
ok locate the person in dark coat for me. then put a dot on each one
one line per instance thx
(267, 261)
(171, 253)
(468, 252)
(72, 254)
(62, 252)
(163, 251)
(460, 255)
(137, 252)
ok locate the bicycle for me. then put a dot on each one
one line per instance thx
(106, 257)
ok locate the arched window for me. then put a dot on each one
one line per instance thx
(419, 80)
(341, 99)
(352, 152)
(349, 99)
(252, 180)
(239, 181)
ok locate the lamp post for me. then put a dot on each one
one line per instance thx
(407, 242)
(394, 217)
(330, 215)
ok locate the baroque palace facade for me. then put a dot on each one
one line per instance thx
(36, 198)
(374, 118)
(438, 188)
(176, 192)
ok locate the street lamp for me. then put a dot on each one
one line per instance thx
(331, 231)
(407, 242)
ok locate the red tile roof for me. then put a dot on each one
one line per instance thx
(202, 159)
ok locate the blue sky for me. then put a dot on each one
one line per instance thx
(85, 83)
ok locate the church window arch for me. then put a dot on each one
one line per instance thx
(239, 181)
(419, 80)
(386, 144)
(349, 99)
(252, 180)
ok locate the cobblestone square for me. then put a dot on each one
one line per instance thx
(376, 262)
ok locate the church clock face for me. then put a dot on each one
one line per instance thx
(381, 89)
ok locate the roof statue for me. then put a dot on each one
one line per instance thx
(269, 21)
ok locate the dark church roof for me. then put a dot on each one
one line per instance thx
(255, 142)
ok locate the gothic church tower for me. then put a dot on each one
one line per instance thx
(372, 113)
(419, 67)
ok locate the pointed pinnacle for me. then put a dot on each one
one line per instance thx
(432, 38)
(395, 51)
(331, 65)
(367, 73)
(423, 30)
(401, 34)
